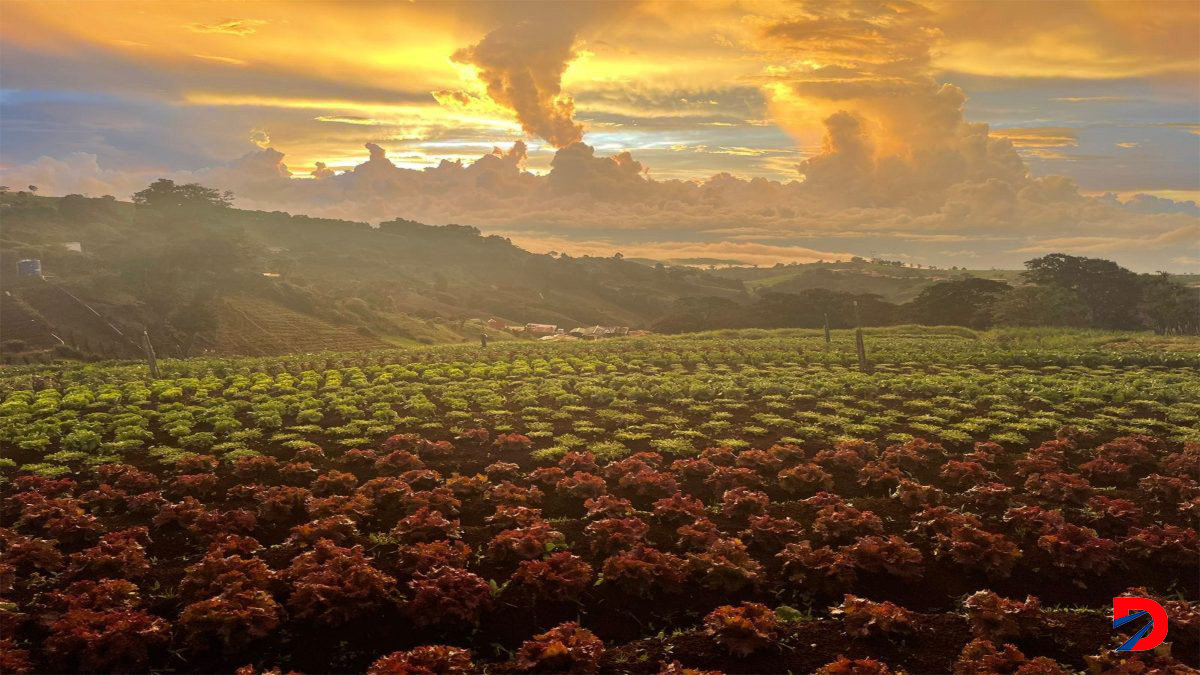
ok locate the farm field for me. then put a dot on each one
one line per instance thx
(741, 501)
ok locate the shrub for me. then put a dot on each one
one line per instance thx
(743, 629)
(566, 648)
(425, 660)
(863, 618)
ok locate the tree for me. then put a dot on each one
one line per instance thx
(1110, 292)
(1167, 306)
(164, 193)
(960, 302)
(1041, 306)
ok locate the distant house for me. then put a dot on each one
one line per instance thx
(496, 324)
(73, 246)
(540, 328)
(596, 332)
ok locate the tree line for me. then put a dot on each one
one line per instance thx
(1054, 290)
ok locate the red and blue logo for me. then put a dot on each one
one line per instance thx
(1130, 610)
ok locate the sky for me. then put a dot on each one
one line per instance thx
(968, 133)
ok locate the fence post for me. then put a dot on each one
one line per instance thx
(858, 340)
(828, 339)
(148, 348)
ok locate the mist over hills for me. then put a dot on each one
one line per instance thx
(203, 277)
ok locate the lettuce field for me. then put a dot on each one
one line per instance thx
(731, 502)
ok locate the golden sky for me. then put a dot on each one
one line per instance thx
(880, 102)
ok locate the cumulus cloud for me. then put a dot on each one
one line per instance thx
(522, 65)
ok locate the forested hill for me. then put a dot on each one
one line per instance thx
(203, 277)
(206, 277)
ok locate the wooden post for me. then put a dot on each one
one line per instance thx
(148, 348)
(828, 339)
(858, 340)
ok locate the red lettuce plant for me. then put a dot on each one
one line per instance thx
(582, 485)
(426, 525)
(1105, 472)
(525, 543)
(820, 568)
(847, 666)
(891, 555)
(1078, 549)
(742, 503)
(1031, 521)
(104, 499)
(118, 554)
(698, 535)
(694, 469)
(841, 523)
(608, 506)
(447, 595)
(397, 462)
(728, 477)
(561, 576)
(579, 461)
(422, 557)
(861, 617)
(978, 549)
(339, 530)
(648, 483)
(988, 496)
(994, 618)
(298, 473)
(1062, 488)
(439, 498)
(914, 495)
(512, 442)
(743, 629)
(982, 656)
(515, 516)
(805, 478)
(61, 518)
(282, 503)
(257, 468)
(725, 566)
(194, 484)
(476, 436)
(771, 534)
(425, 660)
(615, 534)
(27, 554)
(759, 460)
(421, 479)
(498, 471)
(92, 641)
(510, 494)
(963, 474)
(1168, 544)
(547, 476)
(1113, 509)
(334, 483)
(234, 618)
(644, 571)
(880, 475)
(678, 508)
(466, 487)
(566, 648)
(226, 567)
(355, 507)
(1169, 490)
(332, 584)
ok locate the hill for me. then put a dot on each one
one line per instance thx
(206, 279)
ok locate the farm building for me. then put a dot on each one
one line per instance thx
(541, 328)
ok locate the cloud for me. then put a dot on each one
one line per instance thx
(238, 27)
(522, 66)
(260, 138)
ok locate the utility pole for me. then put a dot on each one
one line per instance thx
(858, 340)
(148, 348)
